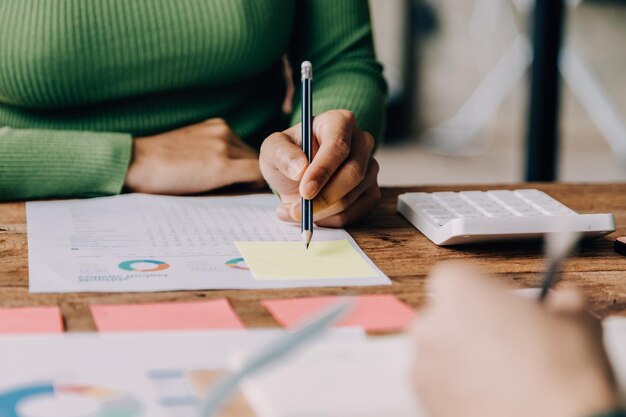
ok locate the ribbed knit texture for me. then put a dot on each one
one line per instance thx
(79, 79)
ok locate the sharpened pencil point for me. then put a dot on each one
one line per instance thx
(306, 238)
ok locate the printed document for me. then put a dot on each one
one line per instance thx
(139, 242)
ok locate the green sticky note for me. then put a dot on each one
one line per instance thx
(291, 260)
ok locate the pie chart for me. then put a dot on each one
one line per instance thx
(143, 265)
(237, 263)
(49, 399)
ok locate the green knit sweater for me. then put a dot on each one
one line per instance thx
(79, 79)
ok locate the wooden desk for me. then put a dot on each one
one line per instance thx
(389, 240)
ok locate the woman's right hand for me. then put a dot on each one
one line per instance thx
(191, 160)
(483, 351)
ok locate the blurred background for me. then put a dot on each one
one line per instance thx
(459, 81)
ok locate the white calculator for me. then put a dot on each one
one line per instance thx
(455, 218)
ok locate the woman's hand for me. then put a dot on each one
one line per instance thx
(341, 180)
(483, 351)
(191, 160)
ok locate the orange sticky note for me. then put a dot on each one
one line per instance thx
(372, 312)
(21, 320)
(202, 315)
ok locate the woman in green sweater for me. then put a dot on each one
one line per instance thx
(177, 97)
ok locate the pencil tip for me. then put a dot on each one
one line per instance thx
(306, 238)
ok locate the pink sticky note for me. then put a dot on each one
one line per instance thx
(372, 312)
(21, 320)
(202, 315)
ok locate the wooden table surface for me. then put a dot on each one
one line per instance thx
(389, 240)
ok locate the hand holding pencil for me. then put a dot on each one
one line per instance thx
(506, 355)
(341, 178)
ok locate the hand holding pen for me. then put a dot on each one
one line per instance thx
(342, 175)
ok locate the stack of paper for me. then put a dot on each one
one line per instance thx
(138, 242)
(130, 375)
(362, 379)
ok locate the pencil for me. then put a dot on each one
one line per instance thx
(558, 246)
(307, 123)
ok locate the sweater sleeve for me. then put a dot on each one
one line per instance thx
(336, 36)
(59, 163)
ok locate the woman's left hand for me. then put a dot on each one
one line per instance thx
(342, 180)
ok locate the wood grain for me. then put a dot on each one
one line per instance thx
(389, 240)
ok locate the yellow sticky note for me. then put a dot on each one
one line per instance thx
(291, 260)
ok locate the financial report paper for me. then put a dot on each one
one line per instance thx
(139, 242)
(161, 374)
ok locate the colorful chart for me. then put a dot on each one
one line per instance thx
(101, 402)
(179, 390)
(237, 263)
(155, 265)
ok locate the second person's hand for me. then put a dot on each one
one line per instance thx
(192, 159)
(485, 352)
(342, 180)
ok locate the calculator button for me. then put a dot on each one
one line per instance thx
(421, 197)
(430, 206)
(503, 195)
(439, 213)
(500, 212)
